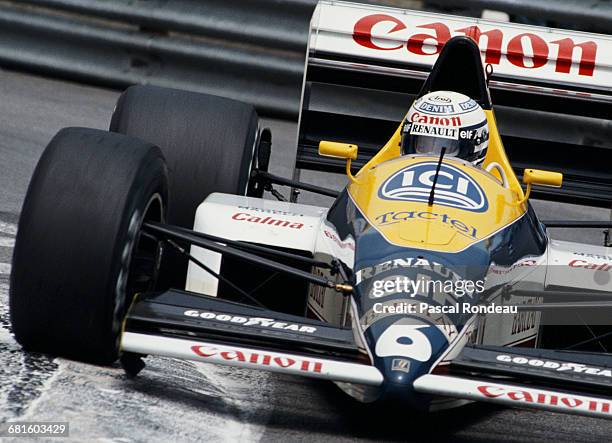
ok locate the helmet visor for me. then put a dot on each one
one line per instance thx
(433, 145)
(468, 143)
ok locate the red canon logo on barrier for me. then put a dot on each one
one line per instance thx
(496, 44)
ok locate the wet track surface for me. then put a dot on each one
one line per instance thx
(197, 402)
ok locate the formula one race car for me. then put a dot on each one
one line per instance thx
(429, 279)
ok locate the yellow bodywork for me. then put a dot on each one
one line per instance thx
(438, 227)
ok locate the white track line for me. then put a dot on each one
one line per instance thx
(5, 268)
(8, 228)
(7, 242)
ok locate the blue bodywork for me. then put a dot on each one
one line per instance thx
(377, 260)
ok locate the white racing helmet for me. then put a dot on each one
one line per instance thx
(446, 119)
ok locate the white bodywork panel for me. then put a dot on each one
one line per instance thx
(579, 266)
(325, 303)
(277, 224)
(255, 220)
(509, 330)
(554, 57)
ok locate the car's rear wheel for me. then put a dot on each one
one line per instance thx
(208, 143)
(79, 255)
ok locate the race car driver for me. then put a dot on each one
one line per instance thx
(446, 119)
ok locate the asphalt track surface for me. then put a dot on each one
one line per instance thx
(186, 401)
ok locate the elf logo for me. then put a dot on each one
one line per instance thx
(454, 187)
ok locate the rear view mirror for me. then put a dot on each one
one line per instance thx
(338, 150)
(542, 178)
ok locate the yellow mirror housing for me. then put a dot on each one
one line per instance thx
(543, 178)
(338, 150)
(539, 177)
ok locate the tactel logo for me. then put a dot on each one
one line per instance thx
(454, 187)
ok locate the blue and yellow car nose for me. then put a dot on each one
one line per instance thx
(404, 348)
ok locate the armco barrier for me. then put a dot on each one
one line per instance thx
(250, 50)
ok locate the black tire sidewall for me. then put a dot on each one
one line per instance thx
(66, 296)
(208, 143)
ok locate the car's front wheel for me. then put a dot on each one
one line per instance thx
(79, 256)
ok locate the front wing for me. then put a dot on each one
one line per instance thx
(514, 395)
(559, 381)
(196, 327)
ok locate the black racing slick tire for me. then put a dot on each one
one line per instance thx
(208, 143)
(79, 257)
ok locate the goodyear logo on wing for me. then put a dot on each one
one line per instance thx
(454, 187)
